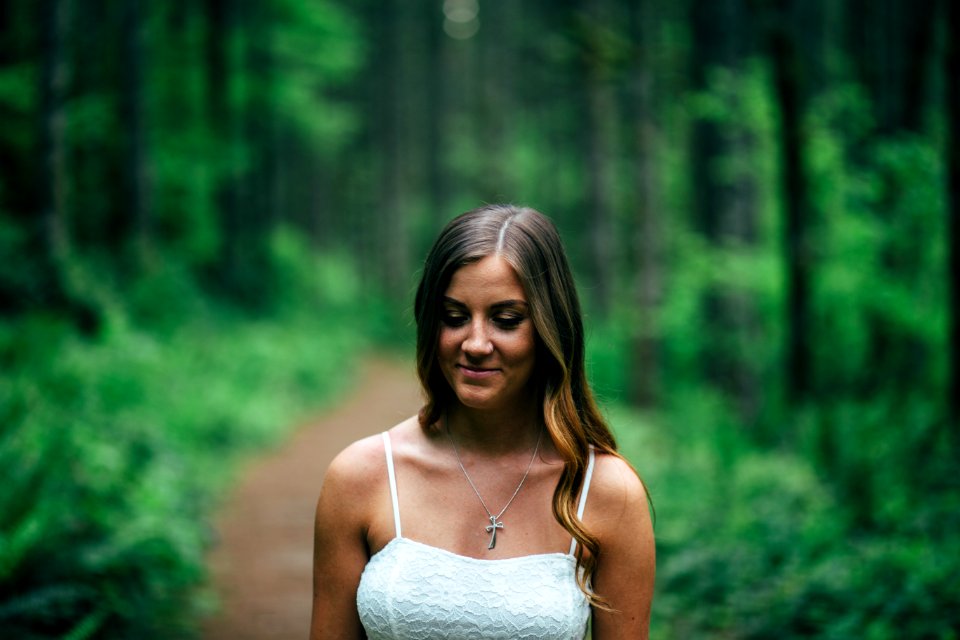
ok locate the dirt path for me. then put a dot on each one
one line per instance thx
(262, 566)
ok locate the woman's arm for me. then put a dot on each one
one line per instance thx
(626, 565)
(340, 548)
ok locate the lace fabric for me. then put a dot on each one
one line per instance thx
(413, 591)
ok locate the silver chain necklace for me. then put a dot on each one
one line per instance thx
(494, 519)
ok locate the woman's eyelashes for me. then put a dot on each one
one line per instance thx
(506, 321)
(454, 319)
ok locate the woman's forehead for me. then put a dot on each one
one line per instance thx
(489, 276)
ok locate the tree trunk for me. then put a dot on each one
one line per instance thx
(952, 82)
(890, 45)
(393, 250)
(136, 167)
(258, 210)
(786, 70)
(648, 282)
(434, 67)
(225, 126)
(54, 77)
(725, 206)
(890, 42)
(601, 110)
(63, 287)
(497, 59)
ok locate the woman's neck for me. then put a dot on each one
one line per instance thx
(494, 432)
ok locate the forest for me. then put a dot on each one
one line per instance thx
(211, 209)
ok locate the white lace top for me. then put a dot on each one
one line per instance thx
(413, 591)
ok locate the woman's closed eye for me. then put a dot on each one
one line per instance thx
(454, 319)
(508, 321)
(504, 321)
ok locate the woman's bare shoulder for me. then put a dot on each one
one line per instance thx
(616, 488)
(354, 481)
(363, 460)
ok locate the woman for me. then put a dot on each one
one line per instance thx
(502, 510)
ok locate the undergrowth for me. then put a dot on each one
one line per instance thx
(115, 449)
(757, 544)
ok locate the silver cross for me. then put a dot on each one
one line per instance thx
(492, 530)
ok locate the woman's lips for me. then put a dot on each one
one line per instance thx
(476, 373)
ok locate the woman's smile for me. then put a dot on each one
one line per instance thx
(476, 373)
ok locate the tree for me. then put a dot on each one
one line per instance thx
(647, 237)
(787, 88)
(725, 203)
(895, 76)
(137, 189)
(951, 69)
(52, 233)
(223, 122)
(598, 43)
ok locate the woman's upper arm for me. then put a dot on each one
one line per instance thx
(626, 565)
(339, 545)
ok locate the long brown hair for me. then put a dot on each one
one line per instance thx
(529, 242)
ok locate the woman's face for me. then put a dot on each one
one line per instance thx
(487, 340)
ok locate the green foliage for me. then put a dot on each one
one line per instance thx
(316, 46)
(754, 544)
(115, 450)
(17, 103)
(883, 222)
(310, 281)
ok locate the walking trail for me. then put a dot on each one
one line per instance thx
(261, 566)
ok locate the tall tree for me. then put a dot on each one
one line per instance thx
(787, 85)
(218, 73)
(136, 157)
(647, 222)
(437, 109)
(597, 42)
(221, 45)
(725, 202)
(951, 69)
(54, 76)
(393, 241)
(495, 75)
(258, 207)
(890, 45)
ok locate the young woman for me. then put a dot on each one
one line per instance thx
(502, 510)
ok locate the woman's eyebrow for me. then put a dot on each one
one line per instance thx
(495, 305)
(509, 303)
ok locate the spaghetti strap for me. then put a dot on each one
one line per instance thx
(388, 451)
(583, 495)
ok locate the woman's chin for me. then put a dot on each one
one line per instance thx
(480, 399)
(473, 402)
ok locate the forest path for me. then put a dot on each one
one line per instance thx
(262, 565)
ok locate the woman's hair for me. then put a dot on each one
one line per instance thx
(529, 242)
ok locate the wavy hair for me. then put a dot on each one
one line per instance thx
(529, 242)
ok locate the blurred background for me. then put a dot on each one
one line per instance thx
(211, 209)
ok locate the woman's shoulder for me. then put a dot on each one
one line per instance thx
(616, 487)
(363, 460)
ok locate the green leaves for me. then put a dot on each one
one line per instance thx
(756, 544)
(114, 452)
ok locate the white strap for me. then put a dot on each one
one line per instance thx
(393, 482)
(583, 496)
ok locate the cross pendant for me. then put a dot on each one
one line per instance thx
(492, 530)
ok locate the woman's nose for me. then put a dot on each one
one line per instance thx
(477, 342)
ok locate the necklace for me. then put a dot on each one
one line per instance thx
(495, 522)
